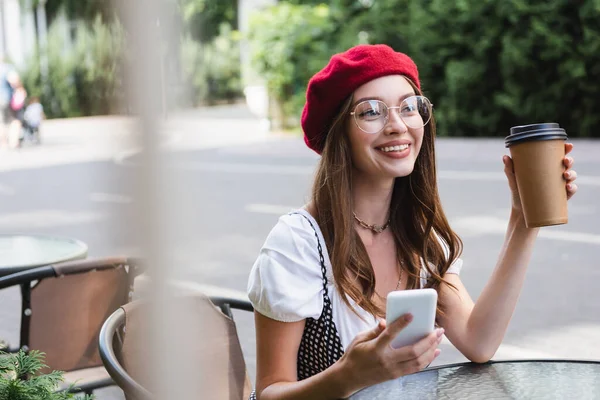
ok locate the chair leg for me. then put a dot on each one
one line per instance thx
(227, 310)
(90, 387)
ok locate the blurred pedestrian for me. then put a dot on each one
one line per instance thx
(32, 119)
(8, 77)
(17, 110)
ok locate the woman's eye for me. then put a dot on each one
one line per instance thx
(369, 114)
(409, 108)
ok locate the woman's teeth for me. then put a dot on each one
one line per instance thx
(394, 148)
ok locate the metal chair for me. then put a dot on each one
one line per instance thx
(217, 351)
(63, 307)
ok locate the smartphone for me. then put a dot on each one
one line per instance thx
(421, 303)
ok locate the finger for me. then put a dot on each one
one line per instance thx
(426, 358)
(508, 164)
(376, 331)
(416, 350)
(571, 190)
(392, 330)
(371, 333)
(568, 162)
(570, 175)
(509, 171)
(568, 147)
(419, 363)
(509, 168)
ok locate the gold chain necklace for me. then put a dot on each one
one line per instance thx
(397, 285)
(399, 278)
(373, 227)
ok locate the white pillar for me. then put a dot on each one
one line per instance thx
(42, 39)
(255, 91)
(13, 32)
(2, 30)
(28, 30)
(245, 9)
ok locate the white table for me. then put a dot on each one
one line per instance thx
(19, 252)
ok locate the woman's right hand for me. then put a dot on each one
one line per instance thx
(371, 359)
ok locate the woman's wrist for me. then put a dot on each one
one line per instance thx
(517, 220)
(344, 383)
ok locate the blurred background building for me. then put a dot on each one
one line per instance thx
(17, 28)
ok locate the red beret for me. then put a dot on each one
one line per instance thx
(347, 71)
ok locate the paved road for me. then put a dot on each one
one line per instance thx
(234, 190)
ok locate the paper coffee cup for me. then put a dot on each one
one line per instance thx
(538, 151)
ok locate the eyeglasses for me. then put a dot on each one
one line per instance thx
(371, 116)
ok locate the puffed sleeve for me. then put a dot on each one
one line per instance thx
(454, 268)
(456, 265)
(286, 282)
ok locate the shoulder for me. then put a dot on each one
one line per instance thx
(455, 265)
(286, 278)
(293, 232)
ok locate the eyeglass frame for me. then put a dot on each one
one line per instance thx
(353, 113)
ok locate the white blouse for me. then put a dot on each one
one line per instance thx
(286, 283)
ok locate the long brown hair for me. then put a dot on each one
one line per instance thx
(421, 231)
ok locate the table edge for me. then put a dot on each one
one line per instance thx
(80, 254)
(516, 361)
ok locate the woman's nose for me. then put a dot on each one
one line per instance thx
(395, 123)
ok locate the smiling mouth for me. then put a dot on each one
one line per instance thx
(389, 149)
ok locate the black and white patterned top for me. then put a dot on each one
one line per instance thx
(320, 346)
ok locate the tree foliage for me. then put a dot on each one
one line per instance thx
(290, 43)
(486, 64)
(84, 78)
(76, 9)
(203, 18)
(212, 70)
(490, 65)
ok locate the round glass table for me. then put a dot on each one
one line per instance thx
(19, 252)
(520, 379)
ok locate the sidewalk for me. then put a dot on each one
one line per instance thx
(87, 139)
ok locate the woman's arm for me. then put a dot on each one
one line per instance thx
(277, 346)
(478, 329)
(368, 360)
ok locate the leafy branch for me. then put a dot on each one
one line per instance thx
(20, 378)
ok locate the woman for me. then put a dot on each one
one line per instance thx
(374, 225)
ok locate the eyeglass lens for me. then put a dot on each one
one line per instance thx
(372, 115)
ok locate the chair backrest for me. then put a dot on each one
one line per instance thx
(216, 352)
(69, 310)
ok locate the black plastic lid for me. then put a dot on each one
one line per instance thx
(534, 132)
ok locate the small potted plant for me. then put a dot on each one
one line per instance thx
(20, 378)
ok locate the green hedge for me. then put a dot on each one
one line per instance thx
(486, 64)
(490, 65)
(289, 44)
(84, 78)
(212, 70)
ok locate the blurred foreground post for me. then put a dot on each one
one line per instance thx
(167, 368)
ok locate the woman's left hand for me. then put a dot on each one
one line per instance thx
(570, 175)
